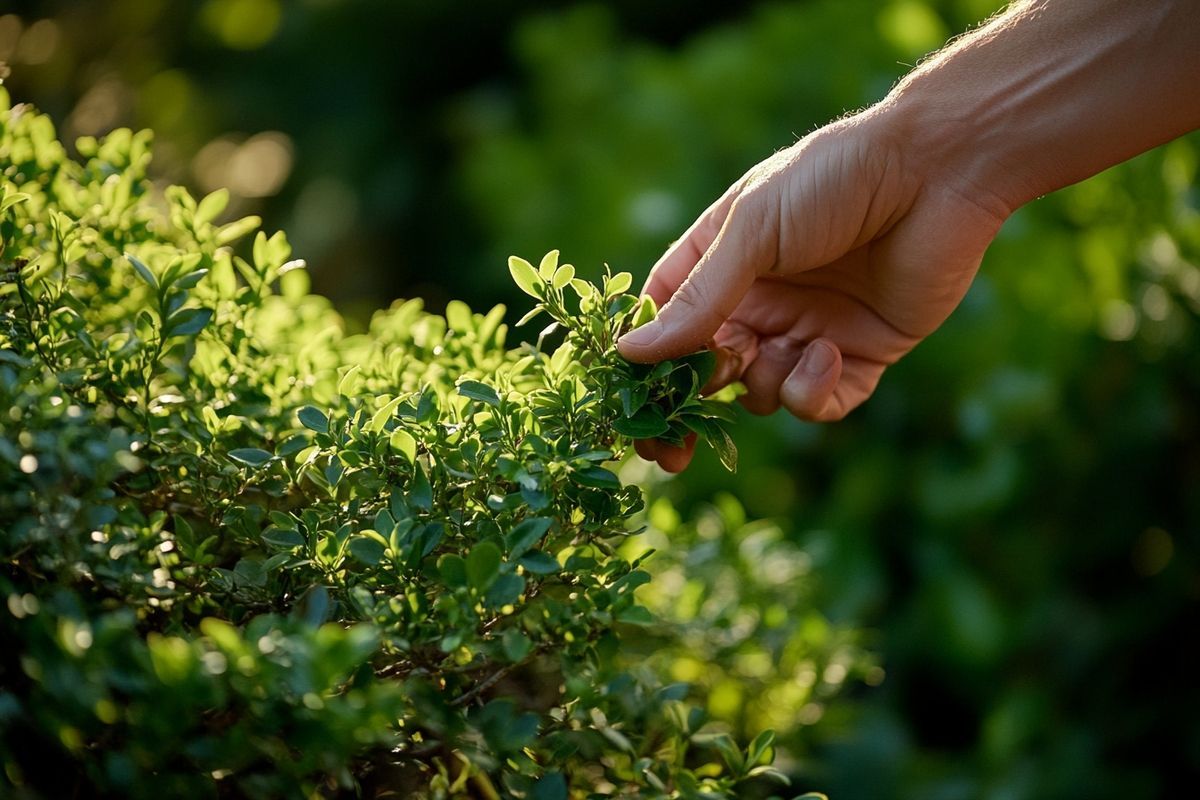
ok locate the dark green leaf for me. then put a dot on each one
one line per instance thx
(453, 569)
(278, 537)
(143, 272)
(187, 321)
(505, 590)
(516, 645)
(636, 615)
(250, 456)
(483, 564)
(314, 419)
(759, 747)
(646, 423)
(526, 534)
(723, 445)
(597, 477)
(420, 493)
(553, 786)
(539, 563)
(367, 549)
(704, 363)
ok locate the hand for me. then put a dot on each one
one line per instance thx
(818, 269)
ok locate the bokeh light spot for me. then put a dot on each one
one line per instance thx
(242, 24)
(912, 27)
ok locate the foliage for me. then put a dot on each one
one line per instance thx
(248, 554)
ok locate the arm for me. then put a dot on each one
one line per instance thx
(1055, 91)
(833, 258)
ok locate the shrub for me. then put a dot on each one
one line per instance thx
(247, 553)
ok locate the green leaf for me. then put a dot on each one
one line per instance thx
(530, 315)
(380, 418)
(505, 591)
(526, 534)
(771, 772)
(704, 363)
(479, 391)
(250, 456)
(636, 615)
(552, 786)
(618, 283)
(539, 563)
(719, 440)
(237, 229)
(188, 321)
(277, 537)
(526, 277)
(760, 747)
(646, 423)
(143, 272)
(548, 265)
(453, 569)
(420, 493)
(516, 645)
(403, 442)
(367, 549)
(314, 419)
(211, 206)
(597, 477)
(562, 276)
(646, 311)
(190, 280)
(483, 564)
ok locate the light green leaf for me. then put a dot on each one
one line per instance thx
(526, 277)
(211, 206)
(380, 418)
(548, 264)
(618, 283)
(403, 442)
(237, 229)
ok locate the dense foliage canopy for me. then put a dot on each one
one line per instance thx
(246, 552)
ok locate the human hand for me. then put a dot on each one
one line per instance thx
(817, 270)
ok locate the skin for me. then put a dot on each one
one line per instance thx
(832, 259)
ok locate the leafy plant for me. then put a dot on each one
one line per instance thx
(246, 553)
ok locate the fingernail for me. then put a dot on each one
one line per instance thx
(818, 359)
(640, 337)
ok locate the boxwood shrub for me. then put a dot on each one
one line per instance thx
(245, 552)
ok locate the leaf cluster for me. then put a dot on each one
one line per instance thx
(246, 553)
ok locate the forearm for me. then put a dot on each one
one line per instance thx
(1052, 92)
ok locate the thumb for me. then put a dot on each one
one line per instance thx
(719, 281)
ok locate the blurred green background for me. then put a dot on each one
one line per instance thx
(1013, 520)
